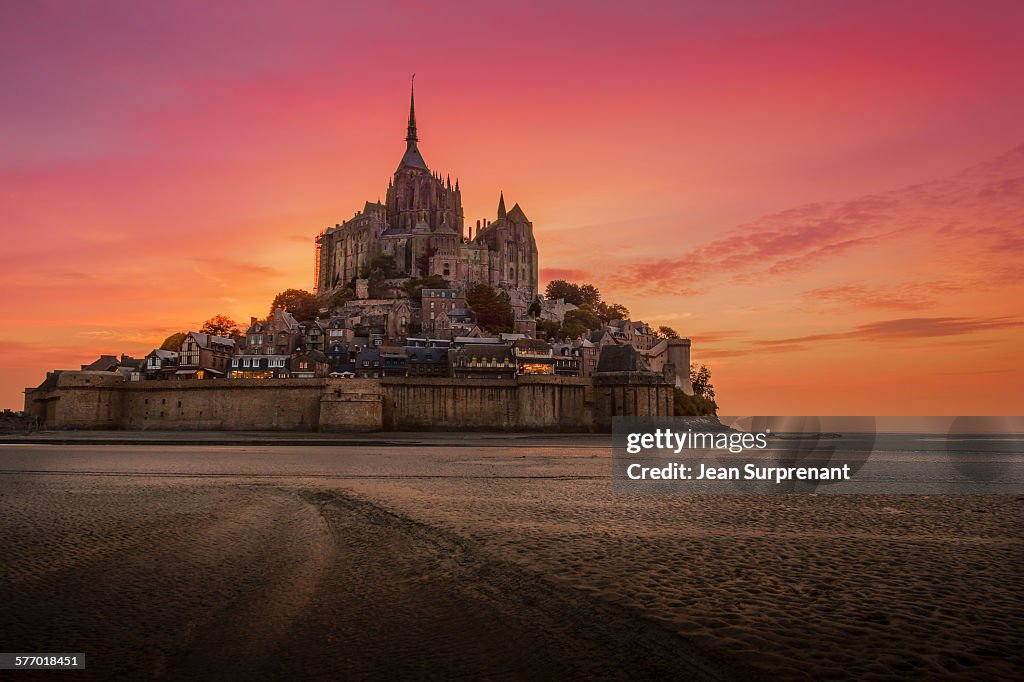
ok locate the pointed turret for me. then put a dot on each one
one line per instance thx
(501, 206)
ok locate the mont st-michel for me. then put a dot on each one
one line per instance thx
(419, 319)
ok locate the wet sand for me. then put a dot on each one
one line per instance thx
(497, 559)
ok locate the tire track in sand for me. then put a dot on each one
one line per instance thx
(403, 599)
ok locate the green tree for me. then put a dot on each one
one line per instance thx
(385, 263)
(573, 329)
(337, 299)
(589, 295)
(667, 333)
(550, 329)
(611, 311)
(701, 381)
(376, 286)
(585, 316)
(299, 302)
(414, 287)
(534, 310)
(173, 342)
(585, 295)
(692, 405)
(559, 288)
(220, 325)
(492, 309)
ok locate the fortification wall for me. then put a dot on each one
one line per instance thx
(93, 400)
(245, 405)
(630, 394)
(531, 403)
(351, 405)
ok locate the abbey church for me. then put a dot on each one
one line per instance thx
(422, 226)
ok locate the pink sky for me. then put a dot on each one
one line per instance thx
(827, 197)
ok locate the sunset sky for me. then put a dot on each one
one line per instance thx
(827, 197)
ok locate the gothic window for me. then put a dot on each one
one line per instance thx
(447, 269)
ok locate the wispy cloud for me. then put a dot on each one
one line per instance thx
(909, 296)
(971, 225)
(902, 329)
(568, 274)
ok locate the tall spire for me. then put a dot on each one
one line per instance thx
(411, 136)
(412, 157)
(501, 206)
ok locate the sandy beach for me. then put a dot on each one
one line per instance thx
(499, 558)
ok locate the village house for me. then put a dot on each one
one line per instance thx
(279, 334)
(483, 361)
(368, 364)
(533, 357)
(567, 360)
(310, 364)
(248, 366)
(160, 364)
(337, 331)
(314, 335)
(422, 361)
(341, 359)
(204, 356)
(636, 334)
(437, 305)
(392, 361)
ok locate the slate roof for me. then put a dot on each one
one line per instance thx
(431, 355)
(395, 231)
(476, 339)
(368, 354)
(531, 344)
(517, 215)
(104, 363)
(621, 359)
(207, 340)
(500, 351)
(412, 158)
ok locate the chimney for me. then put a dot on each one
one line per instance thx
(252, 321)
